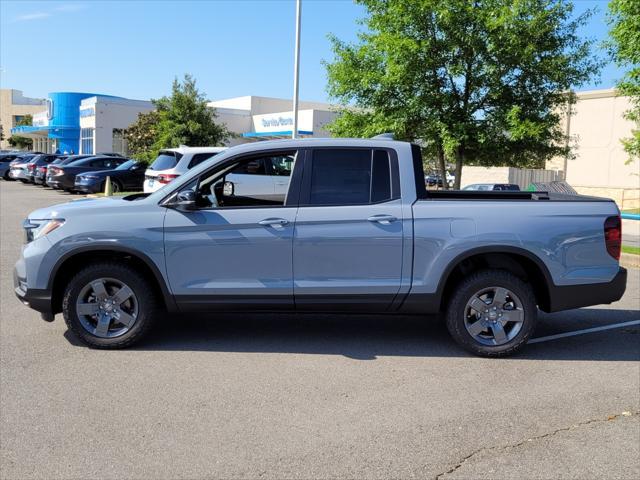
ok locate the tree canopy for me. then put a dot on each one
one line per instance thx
(183, 118)
(473, 81)
(17, 140)
(624, 46)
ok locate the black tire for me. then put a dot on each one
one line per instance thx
(6, 176)
(466, 290)
(148, 307)
(116, 186)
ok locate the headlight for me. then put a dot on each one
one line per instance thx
(35, 229)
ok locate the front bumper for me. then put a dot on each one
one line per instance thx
(39, 300)
(87, 187)
(577, 296)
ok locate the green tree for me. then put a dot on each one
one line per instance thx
(624, 47)
(472, 81)
(18, 141)
(180, 119)
(142, 136)
(185, 118)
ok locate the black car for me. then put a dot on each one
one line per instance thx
(127, 177)
(64, 176)
(40, 176)
(38, 164)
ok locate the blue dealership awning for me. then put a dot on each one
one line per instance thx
(51, 131)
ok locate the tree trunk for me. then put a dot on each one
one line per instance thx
(459, 163)
(443, 168)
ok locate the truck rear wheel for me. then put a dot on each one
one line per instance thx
(109, 305)
(492, 313)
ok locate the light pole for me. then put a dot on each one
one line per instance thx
(296, 71)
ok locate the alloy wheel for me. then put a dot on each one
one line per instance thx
(494, 316)
(107, 307)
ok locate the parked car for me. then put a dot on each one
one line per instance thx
(41, 174)
(355, 233)
(5, 161)
(126, 177)
(18, 167)
(38, 164)
(435, 179)
(484, 187)
(64, 176)
(173, 162)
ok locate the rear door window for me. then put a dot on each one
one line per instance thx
(165, 161)
(97, 163)
(349, 177)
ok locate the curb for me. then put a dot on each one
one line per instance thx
(630, 260)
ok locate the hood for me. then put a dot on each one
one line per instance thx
(93, 206)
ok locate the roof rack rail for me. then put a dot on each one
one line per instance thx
(385, 136)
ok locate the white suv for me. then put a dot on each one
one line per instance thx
(173, 162)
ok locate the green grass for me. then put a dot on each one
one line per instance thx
(631, 250)
(118, 194)
(635, 211)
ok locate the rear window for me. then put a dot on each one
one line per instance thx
(165, 161)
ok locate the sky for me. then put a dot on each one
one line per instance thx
(135, 49)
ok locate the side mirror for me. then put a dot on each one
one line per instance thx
(184, 201)
(228, 189)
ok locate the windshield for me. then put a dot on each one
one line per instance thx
(126, 165)
(165, 161)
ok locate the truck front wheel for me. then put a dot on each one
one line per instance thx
(109, 305)
(492, 313)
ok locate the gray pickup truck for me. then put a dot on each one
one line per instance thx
(356, 232)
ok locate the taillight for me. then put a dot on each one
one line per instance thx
(613, 236)
(166, 177)
(42, 169)
(31, 167)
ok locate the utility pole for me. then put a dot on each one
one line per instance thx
(296, 71)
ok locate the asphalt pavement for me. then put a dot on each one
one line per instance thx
(286, 396)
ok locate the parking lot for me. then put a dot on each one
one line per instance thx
(286, 396)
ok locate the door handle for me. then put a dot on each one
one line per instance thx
(383, 219)
(273, 221)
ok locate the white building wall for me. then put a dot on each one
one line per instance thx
(118, 114)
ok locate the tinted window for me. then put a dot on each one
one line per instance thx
(349, 177)
(381, 177)
(165, 161)
(198, 158)
(99, 163)
(251, 167)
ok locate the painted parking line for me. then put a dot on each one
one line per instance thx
(582, 332)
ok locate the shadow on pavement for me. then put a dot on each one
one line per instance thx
(366, 337)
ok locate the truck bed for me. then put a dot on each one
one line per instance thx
(507, 195)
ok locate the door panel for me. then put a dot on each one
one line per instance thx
(346, 258)
(225, 258)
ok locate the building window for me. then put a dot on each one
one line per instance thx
(119, 142)
(86, 140)
(17, 119)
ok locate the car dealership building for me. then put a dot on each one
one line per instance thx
(91, 123)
